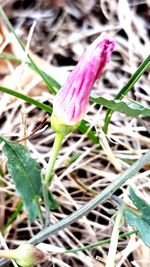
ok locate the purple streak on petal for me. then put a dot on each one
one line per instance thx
(71, 102)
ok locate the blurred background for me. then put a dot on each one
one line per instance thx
(60, 31)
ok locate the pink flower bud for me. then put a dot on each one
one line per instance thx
(71, 103)
(26, 255)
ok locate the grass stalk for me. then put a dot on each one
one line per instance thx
(47, 180)
(26, 98)
(99, 243)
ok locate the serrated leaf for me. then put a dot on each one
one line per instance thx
(139, 218)
(132, 109)
(25, 172)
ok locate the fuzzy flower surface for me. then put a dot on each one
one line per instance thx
(27, 255)
(71, 102)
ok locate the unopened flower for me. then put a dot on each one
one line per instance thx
(26, 255)
(71, 103)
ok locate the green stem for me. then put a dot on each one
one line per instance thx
(134, 78)
(99, 243)
(52, 84)
(26, 98)
(52, 159)
(7, 254)
(93, 203)
(34, 66)
(10, 57)
(49, 174)
(13, 216)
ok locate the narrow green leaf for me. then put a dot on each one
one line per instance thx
(52, 84)
(13, 216)
(10, 57)
(25, 172)
(26, 98)
(132, 109)
(128, 87)
(139, 218)
(84, 126)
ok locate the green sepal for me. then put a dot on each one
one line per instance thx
(60, 127)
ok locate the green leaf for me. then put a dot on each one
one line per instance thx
(132, 109)
(127, 88)
(25, 172)
(139, 218)
(26, 98)
(52, 202)
(84, 128)
(52, 84)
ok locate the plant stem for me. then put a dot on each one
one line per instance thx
(26, 98)
(7, 254)
(52, 159)
(53, 85)
(10, 57)
(93, 203)
(13, 216)
(134, 78)
(49, 174)
(34, 66)
(99, 243)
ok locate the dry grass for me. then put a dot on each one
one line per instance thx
(63, 30)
